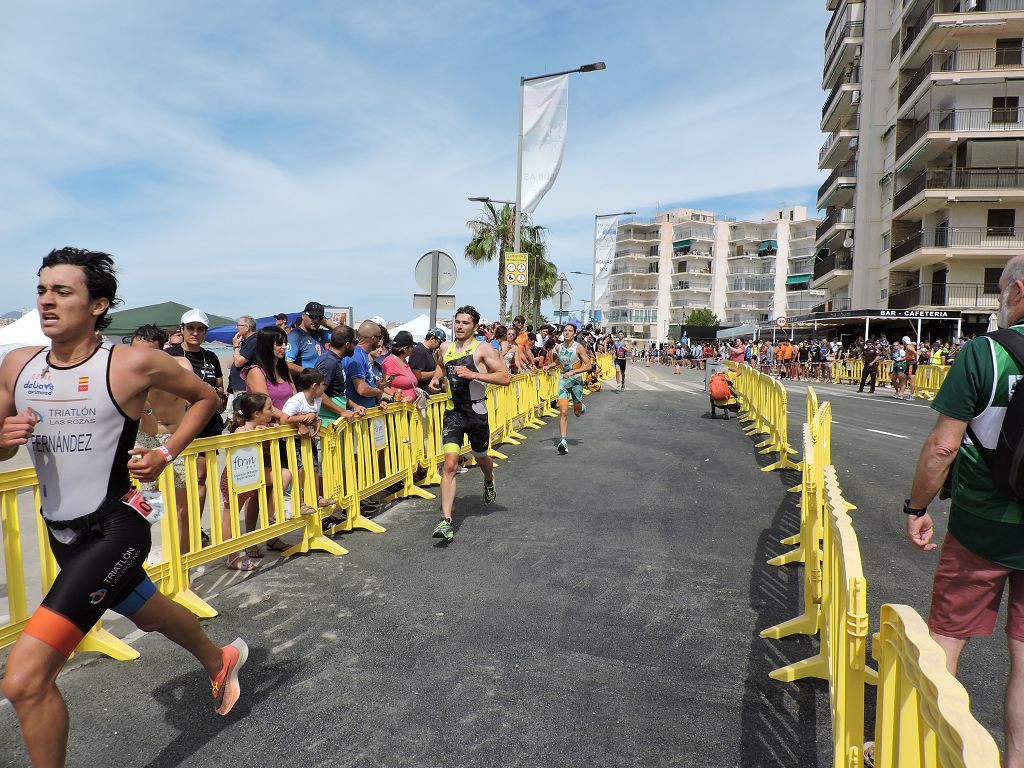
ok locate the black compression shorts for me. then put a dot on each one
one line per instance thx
(459, 424)
(620, 361)
(102, 568)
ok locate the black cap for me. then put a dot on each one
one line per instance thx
(401, 339)
(315, 309)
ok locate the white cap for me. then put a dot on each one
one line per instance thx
(195, 316)
(906, 339)
(379, 321)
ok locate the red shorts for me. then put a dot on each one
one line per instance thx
(967, 591)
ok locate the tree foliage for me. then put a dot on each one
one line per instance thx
(702, 317)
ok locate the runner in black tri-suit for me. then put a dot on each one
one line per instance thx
(76, 406)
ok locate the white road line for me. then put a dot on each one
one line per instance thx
(644, 385)
(888, 434)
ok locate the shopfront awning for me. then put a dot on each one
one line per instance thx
(798, 279)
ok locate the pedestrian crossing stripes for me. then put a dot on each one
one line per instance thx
(662, 386)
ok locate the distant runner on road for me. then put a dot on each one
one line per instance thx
(470, 366)
(76, 406)
(573, 359)
(622, 352)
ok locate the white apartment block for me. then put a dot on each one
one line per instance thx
(926, 147)
(746, 272)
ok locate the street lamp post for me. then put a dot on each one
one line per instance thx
(595, 67)
(593, 277)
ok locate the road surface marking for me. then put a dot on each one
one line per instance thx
(888, 434)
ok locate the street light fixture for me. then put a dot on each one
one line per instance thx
(491, 200)
(593, 277)
(594, 67)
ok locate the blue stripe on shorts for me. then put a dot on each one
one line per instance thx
(137, 598)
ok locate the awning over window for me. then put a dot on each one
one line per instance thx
(768, 245)
(821, 253)
(682, 243)
(798, 279)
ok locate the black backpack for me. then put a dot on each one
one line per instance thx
(1007, 465)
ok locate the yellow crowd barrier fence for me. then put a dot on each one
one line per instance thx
(922, 713)
(763, 404)
(923, 717)
(260, 485)
(927, 380)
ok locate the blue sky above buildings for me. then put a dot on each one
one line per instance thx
(247, 157)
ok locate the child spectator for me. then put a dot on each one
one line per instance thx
(253, 411)
(302, 410)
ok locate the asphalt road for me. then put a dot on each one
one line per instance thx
(604, 612)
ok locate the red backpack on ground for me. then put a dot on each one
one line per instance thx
(719, 387)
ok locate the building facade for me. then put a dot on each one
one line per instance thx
(924, 148)
(745, 272)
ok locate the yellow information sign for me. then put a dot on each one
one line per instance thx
(517, 270)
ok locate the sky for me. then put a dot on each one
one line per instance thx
(246, 158)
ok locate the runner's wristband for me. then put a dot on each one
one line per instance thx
(168, 456)
(909, 510)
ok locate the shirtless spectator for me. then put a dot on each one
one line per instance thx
(161, 416)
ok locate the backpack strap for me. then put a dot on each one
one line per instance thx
(1012, 342)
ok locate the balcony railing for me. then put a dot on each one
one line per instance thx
(851, 77)
(961, 178)
(964, 120)
(848, 169)
(959, 295)
(835, 260)
(842, 304)
(832, 48)
(836, 216)
(914, 28)
(916, 132)
(963, 60)
(996, 238)
(851, 123)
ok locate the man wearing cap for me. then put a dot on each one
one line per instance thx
(308, 340)
(423, 361)
(206, 365)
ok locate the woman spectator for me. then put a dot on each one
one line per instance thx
(396, 367)
(378, 354)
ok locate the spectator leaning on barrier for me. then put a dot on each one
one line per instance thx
(268, 372)
(396, 366)
(423, 361)
(360, 376)
(984, 543)
(335, 403)
(308, 339)
(243, 348)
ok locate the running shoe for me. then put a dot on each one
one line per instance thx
(563, 447)
(444, 530)
(225, 686)
(489, 493)
(579, 409)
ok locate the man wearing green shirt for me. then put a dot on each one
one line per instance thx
(984, 545)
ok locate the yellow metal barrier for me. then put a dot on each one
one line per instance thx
(605, 369)
(763, 402)
(928, 380)
(923, 716)
(24, 481)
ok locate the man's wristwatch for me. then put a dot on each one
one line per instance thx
(909, 510)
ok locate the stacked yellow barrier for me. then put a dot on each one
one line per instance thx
(763, 402)
(923, 716)
(928, 380)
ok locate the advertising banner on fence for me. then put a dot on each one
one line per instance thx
(545, 118)
(604, 254)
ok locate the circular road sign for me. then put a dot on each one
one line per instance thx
(781, 321)
(446, 272)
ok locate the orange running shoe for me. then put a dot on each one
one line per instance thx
(225, 686)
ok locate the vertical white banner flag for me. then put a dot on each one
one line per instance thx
(545, 118)
(605, 235)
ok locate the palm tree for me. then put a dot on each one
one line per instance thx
(493, 236)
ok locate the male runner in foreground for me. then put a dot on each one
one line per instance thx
(469, 365)
(76, 405)
(573, 359)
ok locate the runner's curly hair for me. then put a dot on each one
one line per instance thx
(100, 275)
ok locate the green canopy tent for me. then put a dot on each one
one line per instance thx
(165, 315)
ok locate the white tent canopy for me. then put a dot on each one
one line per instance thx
(24, 332)
(418, 327)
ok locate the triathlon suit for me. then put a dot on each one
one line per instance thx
(569, 387)
(620, 355)
(911, 359)
(80, 451)
(466, 414)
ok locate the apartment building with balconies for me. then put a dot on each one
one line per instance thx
(746, 272)
(924, 202)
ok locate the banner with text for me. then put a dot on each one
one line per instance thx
(545, 118)
(605, 235)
